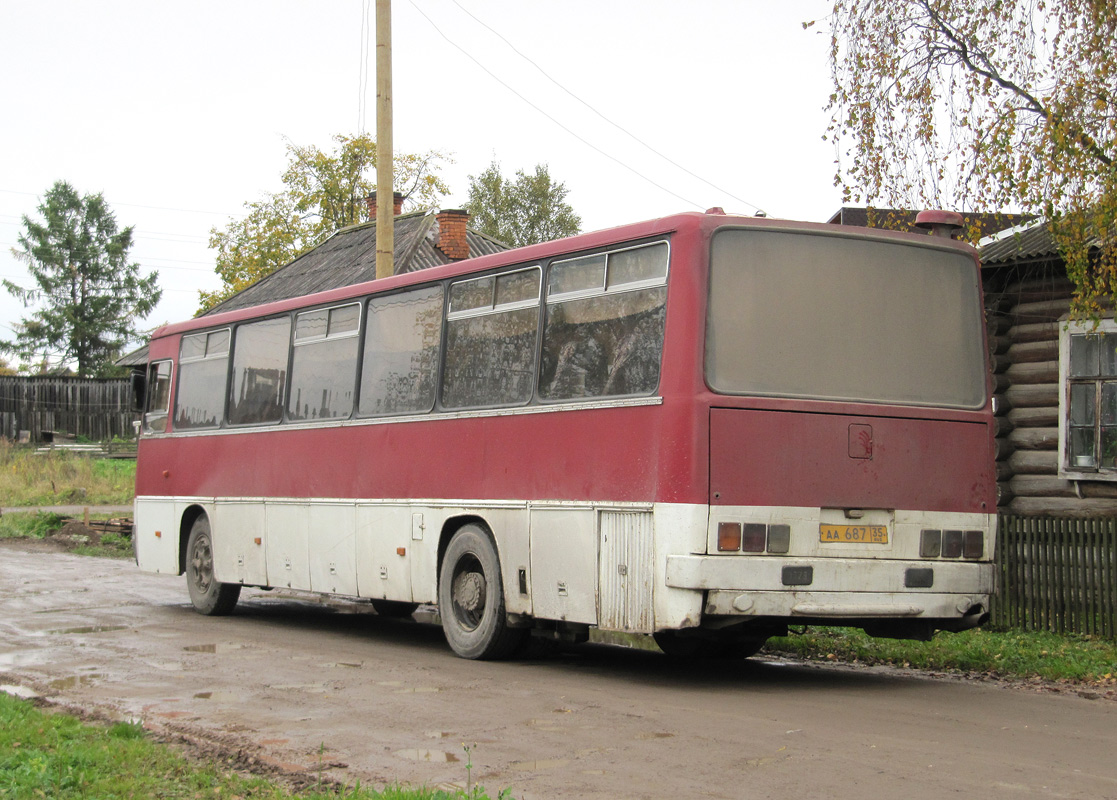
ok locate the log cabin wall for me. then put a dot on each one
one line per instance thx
(1025, 306)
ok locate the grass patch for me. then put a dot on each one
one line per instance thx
(30, 525)
(28, 478)
(53, 755)
(1008, 654)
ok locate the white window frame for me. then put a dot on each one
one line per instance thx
(1067, 329)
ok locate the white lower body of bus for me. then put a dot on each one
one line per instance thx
(502, 572)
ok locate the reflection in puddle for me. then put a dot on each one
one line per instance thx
(213, 648)
(74, 681)
(440, 756)
(90, 629)
(536, 766)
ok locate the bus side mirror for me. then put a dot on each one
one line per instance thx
(139, 390)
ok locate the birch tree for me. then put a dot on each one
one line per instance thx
(984, 105)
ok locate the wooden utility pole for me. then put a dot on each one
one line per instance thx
(385, 201)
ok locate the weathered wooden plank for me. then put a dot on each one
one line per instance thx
(997, 323)
(1036, 332)
(1040, 417)
(999, 344)
(1041, 287)
(1034, 439)
(1063, 507)
(1040, 311)
(1053, 486)
(1031, 352)
(1004, 494)
(1033, 395)
(1034, 462)
(1032, 373)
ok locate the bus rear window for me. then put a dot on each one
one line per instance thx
(843, 318)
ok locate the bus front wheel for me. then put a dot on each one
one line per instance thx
(209, 596)
(471, 598)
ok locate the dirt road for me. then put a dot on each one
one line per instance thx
(299, 684)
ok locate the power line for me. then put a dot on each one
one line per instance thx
(362, 81)
(626, 132)
(581, 139)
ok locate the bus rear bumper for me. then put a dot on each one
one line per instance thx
(836, 591)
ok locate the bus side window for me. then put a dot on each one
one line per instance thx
(158, 397)
(203, 365)
(259, 372)
(604, 337)
(323, 366)
(403, 338)
(490, 343)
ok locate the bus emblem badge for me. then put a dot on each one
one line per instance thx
(860, 441)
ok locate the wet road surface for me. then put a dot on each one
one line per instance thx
(302, 684)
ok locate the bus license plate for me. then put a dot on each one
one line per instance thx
(853, 534)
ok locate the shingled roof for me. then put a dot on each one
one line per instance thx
(349, 257)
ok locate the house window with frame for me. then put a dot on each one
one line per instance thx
(1088, 404)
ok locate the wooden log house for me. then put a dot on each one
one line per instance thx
(1054, 458)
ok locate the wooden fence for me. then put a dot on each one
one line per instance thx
(1057, 575)
(97, 408)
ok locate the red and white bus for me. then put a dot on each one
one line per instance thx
(702, 427)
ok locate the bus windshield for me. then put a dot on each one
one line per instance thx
(843, 318)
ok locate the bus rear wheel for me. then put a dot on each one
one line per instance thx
(209, 596)
(471, 598)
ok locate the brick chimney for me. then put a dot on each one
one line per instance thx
(397, 205)
(451, 233)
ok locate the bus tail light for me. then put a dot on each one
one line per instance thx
(754, 537)
(973, 545)
(951, 544)
(729, 536)
(779, 539)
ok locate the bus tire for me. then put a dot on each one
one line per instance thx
(471, 598)
(209, 596)
(393, 609)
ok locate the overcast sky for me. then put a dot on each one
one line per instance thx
(179, 112)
